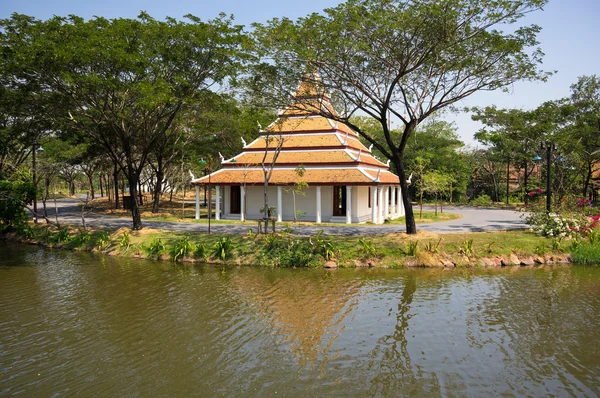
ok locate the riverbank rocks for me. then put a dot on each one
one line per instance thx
(330, 265)
(514, 260)
(527, 261)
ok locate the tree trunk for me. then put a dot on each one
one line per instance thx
(140, 193)
(411, 227)
(266, 198)
(507, 180)
(295, 212)
(588, 177)
(133, 178)
(101, 183)
(116, 182)
(91, 181)
(157, 189)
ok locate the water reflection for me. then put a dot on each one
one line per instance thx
(78, 324)
(305, 310)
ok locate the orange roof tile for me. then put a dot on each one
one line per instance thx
(288, 125)
(304, 157)
(302, 141)
(288, 176)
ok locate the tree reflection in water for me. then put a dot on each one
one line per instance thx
(390, 362)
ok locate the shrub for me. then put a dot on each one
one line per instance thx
(368, 247)
(200, 251)
(15, 194)
(181, 248)
(467, 248)
(125, 241)
(102, 240)
(482, 199)
(155, 248)
(82, 238)
(432, 246)
(62, 235)
(223, 248)
(410, 248)
(586, 254)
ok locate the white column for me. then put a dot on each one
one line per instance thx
(197, 202)
(394, 206)
(374, 205)
(380, 207)
(318, 204)
(218, 203)
(279, 205)
(386, 203)
(348, 204)
(242, 204)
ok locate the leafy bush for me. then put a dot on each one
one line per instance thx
(467, 248)
(586, 254)
(182, 248)
(223, 248)
(324, 246)
(14, 195)
(125, 241)
(368, 247)
(432, 246)
(62, 235)
(482, 199)
(81, 238)
(103, 240)
(200, 251)
(155, 247)
(410, 248)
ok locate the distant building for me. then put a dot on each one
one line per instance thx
(346, 183)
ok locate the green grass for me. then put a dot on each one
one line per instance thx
(390, 250)
(586, 254)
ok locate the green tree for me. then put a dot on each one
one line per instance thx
(126, 80)
(400, 60)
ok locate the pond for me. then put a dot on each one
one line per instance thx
(84, 324)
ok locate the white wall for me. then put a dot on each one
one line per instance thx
(307, 203)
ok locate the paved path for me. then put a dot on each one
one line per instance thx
(473, 220)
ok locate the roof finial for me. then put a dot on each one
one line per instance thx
(388, 163)
(409, 181)
(243, 141)
(370, 147)
(378, 174)
(192, 175)
(345, 139)
(222, 158)
(359, 153)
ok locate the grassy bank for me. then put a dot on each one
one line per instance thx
(287, 250)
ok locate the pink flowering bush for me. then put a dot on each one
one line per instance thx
(574, 218)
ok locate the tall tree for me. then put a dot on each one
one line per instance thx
(402, 60)
(126, 80)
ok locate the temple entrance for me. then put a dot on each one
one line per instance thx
(339, 201)
(235, 203)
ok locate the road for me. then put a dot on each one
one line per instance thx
(473, 220)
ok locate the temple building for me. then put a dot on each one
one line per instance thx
(346, 183)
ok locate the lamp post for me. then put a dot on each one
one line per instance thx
(549, 147)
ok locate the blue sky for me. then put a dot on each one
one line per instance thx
(570, 37)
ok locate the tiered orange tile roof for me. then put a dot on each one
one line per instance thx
(329, 150)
